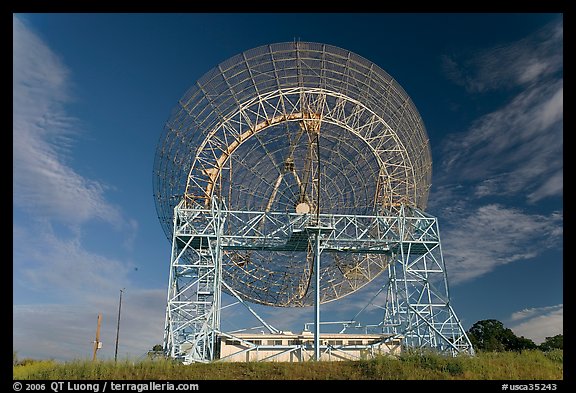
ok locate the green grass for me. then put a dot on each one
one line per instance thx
(528, 365)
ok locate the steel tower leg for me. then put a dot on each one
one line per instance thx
(194, 294)
(317, 297)
(418, 302)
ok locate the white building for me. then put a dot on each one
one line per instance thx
(291, 347)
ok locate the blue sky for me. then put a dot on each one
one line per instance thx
(91, 94)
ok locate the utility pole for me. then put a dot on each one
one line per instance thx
(118, 326)
(97, 343)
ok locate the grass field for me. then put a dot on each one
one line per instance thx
(528, 365)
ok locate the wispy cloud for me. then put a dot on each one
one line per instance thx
(538, 323)
(53, 203)
(512, 150)
(516, 150)
(514, 153)
(71, 286)
(43, 135)
(478, 241)
(52, 331)
(62, 267)
(65, 332)
(519, 63)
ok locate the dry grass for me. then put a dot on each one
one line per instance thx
(528, 365)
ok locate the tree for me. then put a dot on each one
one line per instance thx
(491, 335)
(521, 343)
(157, 352)
(487, 335)
(555, 342)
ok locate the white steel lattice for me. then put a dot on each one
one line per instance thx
(257, 154)
(417, 306)
(288, 126)
(417, 300)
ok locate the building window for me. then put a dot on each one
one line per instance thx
(256, 342)
(232, 342)
(274, 342)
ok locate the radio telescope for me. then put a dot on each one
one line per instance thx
(274, 156)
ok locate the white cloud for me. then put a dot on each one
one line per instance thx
(538, 323)
(67, 332)
(71, 286)
(51, 331)
(52, 205)
(56, 266)
(476, 243)
(516, 150)
(551, 187)
(519, 63)
(43, 133)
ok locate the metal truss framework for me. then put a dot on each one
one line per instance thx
(294, 126)
(417, 305)
(325, 166)
(417, 299)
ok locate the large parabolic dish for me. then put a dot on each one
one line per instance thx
(294, 127)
